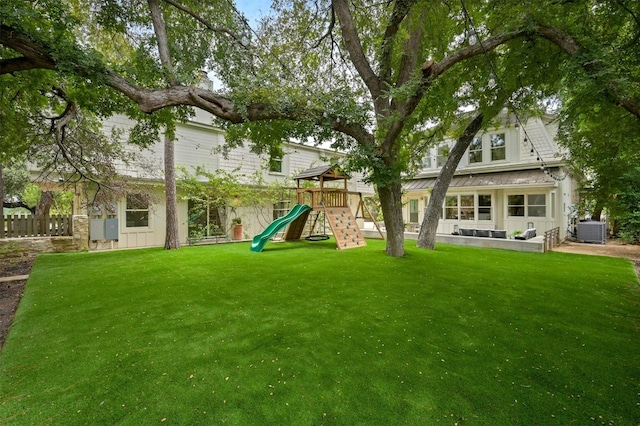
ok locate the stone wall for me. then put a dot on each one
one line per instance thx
(78, 242)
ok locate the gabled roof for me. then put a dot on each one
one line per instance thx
(502, 179)
(327, 172)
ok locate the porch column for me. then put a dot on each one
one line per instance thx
(80, 228)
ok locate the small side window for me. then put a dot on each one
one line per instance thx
(137, 211)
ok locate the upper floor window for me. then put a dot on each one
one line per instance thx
(137, 210)
(475, 150)
(426, 161)
(275, 164)
(443, 153)
(498, 147)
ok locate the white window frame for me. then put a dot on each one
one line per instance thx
(450, 207)
(475, 148)
(490, 207)
(440, 158)
(427, 161)
(466, 211)
(459, 209)
(497, 147)
(523, 206)
(272, 165)
(527, 207)
(137, 210)
(414, 202)
(534, 207)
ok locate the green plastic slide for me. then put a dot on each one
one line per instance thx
(261, 239)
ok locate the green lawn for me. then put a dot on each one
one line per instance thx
(303, 334)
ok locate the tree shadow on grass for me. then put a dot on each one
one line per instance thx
(329, 244)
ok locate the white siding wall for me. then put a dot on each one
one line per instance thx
(537, 131)
(196, 145)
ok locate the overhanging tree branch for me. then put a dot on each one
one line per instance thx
(33, 55)
(571, 46)
(206, 23)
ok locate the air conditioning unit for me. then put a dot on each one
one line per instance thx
(591, 231)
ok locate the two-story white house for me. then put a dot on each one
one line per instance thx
(511, 178)
(139, 220)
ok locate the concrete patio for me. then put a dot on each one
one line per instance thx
(534, 245)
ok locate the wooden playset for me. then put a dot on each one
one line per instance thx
(330, 198)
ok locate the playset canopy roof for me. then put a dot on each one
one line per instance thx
(322, 173)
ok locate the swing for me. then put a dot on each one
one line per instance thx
(319, 237)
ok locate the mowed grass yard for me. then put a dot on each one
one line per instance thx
(303, 334)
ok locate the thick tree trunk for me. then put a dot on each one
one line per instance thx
(2, 188)
(427, 234)
(391, 204)
(44, 205)
(172, 239)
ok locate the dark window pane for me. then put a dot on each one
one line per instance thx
(137, 218)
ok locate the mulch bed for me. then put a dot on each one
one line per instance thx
(11, 291)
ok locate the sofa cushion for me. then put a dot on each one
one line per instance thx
(482, 232)
(499, 233)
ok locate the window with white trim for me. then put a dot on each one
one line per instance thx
(451, 207)
(426, 160)
(443, 154)
(467, 207)
(475, 150)
(460, 207)
(498, 147)
(413, 211)
(536, 206)
(275, 165)
(137, 211)
(484, 206)
(529, 205)
(515, 205)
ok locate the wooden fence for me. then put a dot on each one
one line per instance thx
(36, 226)
(551, 239)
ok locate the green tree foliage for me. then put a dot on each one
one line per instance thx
(15, 179)
(220, 193)
(627, 204)
(599, 119)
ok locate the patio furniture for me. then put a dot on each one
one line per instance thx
(499, 233)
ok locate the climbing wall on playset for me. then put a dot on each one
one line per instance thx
(344, 227)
